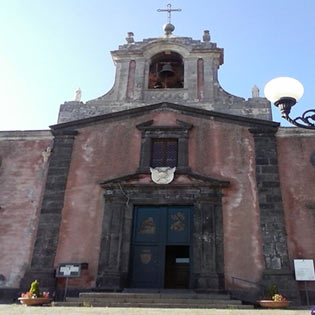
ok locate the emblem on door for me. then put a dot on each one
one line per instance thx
(145, 256)
(147, 226)
(178, 222)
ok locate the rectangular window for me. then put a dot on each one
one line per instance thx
(164, 152)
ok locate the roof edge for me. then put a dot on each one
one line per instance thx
(188, 110)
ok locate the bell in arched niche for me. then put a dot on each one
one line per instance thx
(166, 71)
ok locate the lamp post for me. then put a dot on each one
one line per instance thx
(284, 92)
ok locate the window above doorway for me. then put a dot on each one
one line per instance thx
(164, 152)
(164, 146)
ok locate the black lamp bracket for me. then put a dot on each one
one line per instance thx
(306, 121)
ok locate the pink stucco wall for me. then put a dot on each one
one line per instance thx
(100, 152)
(22, 179)
(297, 176)
(112, 149)
(227, 151)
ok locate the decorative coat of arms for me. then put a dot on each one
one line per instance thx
(162, 175)
(179, 222)
(147, 226)
(145, 256)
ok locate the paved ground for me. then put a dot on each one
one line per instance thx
(22, 310)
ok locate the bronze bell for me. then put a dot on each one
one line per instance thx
(167, 71)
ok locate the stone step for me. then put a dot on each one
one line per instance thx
(69, 304)
(156, 305)
(156, 296)
(74, 299)
(162, 301)
(175, 305)
(155, 300)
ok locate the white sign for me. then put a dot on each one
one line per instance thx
(304, 270)
(68, 270)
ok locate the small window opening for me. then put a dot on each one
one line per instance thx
(166, 71)
(164, 153)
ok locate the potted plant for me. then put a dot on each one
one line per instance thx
(34, 296)
(274, 300)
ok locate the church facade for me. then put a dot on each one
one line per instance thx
(167, 181)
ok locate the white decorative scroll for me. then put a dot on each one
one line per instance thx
(162, 175)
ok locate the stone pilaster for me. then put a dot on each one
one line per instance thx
(272, 224)
(208, 252)
(110, 274)
(42, 265)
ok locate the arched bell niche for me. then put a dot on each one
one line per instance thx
(166, 71)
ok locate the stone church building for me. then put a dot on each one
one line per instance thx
(166, 181)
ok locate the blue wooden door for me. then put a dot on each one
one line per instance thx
(154, 228)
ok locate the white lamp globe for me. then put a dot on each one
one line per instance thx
(283, 87)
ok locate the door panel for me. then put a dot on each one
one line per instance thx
(147, 229)
(178, 225)
(153, 229)
(146, 273)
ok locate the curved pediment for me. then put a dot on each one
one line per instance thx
(173, 69)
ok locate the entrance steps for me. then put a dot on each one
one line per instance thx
(155, 300)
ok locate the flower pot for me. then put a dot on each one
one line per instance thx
(34, 301)
(273, 304)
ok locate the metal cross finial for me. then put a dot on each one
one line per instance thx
(169, 11)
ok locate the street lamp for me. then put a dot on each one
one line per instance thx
(284, 92)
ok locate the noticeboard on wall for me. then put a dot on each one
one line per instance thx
(304, 269)
(70, 270)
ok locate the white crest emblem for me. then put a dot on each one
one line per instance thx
(162, 175)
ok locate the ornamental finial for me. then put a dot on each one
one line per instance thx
(169, 27)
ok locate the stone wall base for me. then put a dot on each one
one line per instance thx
(110, 281)
(249, 296)
(311, 296)
(9, 295)
(209, 281)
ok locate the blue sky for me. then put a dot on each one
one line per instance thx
(50, 48)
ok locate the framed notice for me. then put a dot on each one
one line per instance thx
(304, 270)
(68, 270)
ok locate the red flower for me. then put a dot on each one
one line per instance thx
(26, 295)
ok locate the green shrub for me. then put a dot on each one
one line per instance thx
(273, 291)
(34, 290)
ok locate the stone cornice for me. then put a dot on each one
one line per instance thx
(295, 132)
(182, 109)
(25, 135)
